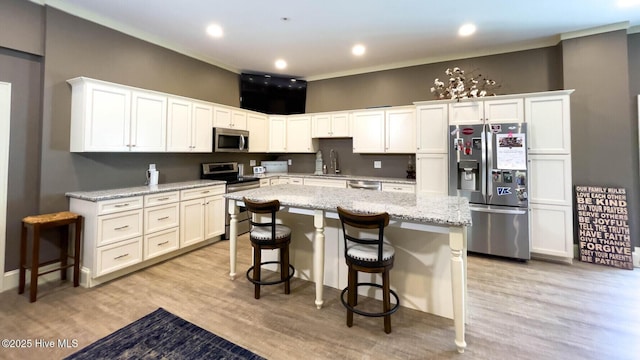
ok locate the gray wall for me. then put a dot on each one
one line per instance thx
(604, 127)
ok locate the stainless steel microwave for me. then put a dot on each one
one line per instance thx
(230, 140)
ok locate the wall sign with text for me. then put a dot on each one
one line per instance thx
(603, 226)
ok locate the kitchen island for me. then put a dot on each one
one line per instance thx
(413, 219)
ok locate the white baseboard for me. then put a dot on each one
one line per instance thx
(12, 278)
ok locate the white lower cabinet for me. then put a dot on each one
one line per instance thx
(551, 228)
(326, 182)
(198, 211)
(432, 173)
(121, 234)
(403, 188)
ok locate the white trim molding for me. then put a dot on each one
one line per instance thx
(5, 121)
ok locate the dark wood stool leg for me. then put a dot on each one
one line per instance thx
(76, 253)
(352, 293)
(64, 251)
(257, 259)
(23, 258)
(284, 268)
(35, 263)
(386, 300)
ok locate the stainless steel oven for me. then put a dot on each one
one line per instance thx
(236, 181)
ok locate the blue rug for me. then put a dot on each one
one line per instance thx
(162, 335)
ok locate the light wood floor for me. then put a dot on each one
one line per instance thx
(534, 310)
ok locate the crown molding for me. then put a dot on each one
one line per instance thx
(595, 31)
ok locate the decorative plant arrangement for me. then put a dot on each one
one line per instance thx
(463, 87)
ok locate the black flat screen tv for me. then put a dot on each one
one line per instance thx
(272, 94)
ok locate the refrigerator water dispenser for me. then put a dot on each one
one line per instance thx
(468, 175)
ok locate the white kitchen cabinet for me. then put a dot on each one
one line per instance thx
(299, 134)
(395, 187)
(432, 122)
(148, 122)
(277, 134)
(486, 110)
(400, 127)
(368, 131)
(551, 230)
(258, 127)
(550, 179)
(432, 173)
(161, 224)
(265, 182)
(189, 125)
(229, 118)
(296, 181)
(384, 131)
(549, 120)
(108, 117)
(325, 182)
(201, 214)
(334, 124)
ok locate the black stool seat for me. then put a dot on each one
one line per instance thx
(369, 255)
(268, 236)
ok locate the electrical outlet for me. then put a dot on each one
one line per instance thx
(377, 164)
(252, 163)
(289, 162)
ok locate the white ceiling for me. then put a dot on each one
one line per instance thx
(316, 41)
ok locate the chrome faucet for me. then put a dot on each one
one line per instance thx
(333, 156)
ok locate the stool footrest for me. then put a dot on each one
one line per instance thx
(292, 271)
(370, 314)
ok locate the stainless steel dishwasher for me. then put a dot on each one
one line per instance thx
(364, 184)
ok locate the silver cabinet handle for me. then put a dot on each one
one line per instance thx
(121, 256)
(163, 199)
(163, 218)
(121, 205)
(163, 243)
(121, 227)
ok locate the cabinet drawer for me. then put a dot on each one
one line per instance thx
(405, 188)
(161, 198)
(201, 192)
(119, 226)
(161, 242)
(119, 256)
(161, 217)
(265, 182)
(295, 181)
(118, 205)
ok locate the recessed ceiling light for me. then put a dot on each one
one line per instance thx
(466, 30)
(358, 50)
(214, 30)
(281, 64)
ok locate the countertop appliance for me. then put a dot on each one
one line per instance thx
(488, 165)
(275, 166)
(229, 172)
(230, 140)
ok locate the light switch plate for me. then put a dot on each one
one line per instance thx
(289, 162)
(377, 164)
(252, 163)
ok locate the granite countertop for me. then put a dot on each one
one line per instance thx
(431, 209)
(101, 195)
(338, 177)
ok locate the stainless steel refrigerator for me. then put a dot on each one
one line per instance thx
(488, 165)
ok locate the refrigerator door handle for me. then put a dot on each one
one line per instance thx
(499, 211)
(489, 162)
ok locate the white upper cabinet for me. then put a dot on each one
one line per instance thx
(229, 118)
(189, 126)
(400, 128)
(549, 126)
(299, 134)
(326, 125)
(470, 112)
(368, 131)
(432, 128)
(108, 117)
(258, 127)
(277, 134)
(384, 131)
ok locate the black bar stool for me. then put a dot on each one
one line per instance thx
(268, 236)
(369, 255)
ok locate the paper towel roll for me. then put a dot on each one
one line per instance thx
(153, 177)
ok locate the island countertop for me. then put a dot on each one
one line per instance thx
(101, 195)
(432, 209)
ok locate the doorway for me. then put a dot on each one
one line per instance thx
(5, 114)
